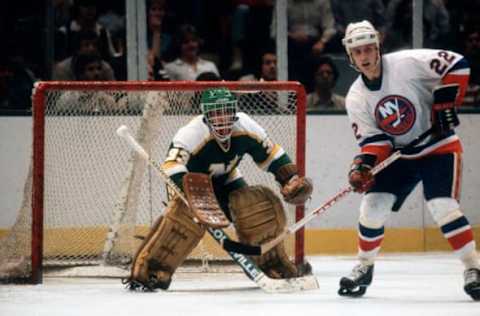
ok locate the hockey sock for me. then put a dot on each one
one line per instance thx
(459, 235)
(369, 241)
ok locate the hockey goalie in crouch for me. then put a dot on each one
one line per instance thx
(397, 97)
(213, 144)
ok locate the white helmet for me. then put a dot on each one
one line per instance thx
(358, 34)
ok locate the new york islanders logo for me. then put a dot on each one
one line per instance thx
(395, 114)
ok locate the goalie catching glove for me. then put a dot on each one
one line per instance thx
(295, 190)
(444, 114)
(360, 176)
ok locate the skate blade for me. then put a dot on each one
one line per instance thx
(352, 292)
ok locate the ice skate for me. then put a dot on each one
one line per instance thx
(355, 285)
(472, 283)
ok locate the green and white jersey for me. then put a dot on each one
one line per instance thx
(194, 149)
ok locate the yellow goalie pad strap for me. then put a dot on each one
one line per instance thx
(259, 216)
(169, 242)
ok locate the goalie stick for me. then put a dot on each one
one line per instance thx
(230, 245)
(252, 271)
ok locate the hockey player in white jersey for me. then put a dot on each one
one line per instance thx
(214, 144)
(396, 98)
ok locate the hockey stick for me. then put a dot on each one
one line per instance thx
(252, 271)
(238, 247)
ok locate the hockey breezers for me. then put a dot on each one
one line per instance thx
(253, 250)
(252, 271)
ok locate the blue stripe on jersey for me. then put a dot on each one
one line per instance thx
(370, 232)
(456, 224)
(461, 64)
(376, 138)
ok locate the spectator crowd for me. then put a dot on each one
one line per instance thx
(229, 40)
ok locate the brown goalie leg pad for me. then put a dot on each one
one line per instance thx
(259, 216)
(170, 240)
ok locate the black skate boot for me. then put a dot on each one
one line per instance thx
(355, 285)
(472, 283)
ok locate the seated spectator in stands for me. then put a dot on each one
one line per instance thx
(347, 11)
(159, 40)
(84, 19)
(208, 76)
(472, 54)
(87, 68)
(267, 70)
(311, 26)
(323, 97)
(399, 24)
(87, 45)
(16, 77)
(188, 65)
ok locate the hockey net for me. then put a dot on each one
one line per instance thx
(88, 198)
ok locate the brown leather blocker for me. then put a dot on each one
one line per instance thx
(170, 240)
(202, 200)
(259, 216)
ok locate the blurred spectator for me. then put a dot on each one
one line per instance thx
(112, 15)
(159, 41)
(208, 76)
(188, 65)
(347, 11)
(323, 97)
(84, 19)
(88, 67)
(436, 25)
(472, 54)
(16, 79)
(267, 69)
(311, 26)
(87, 45)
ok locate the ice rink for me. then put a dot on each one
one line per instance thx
(406, 285)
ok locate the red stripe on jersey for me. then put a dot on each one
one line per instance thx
(369, 245)
(381, 151)
(461, 239)
(453, 147)
(462, 80)
(457, 174)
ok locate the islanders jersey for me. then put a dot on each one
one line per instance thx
(395, 110)
(195, 149)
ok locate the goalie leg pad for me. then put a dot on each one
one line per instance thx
(259, 216)
(169, 242)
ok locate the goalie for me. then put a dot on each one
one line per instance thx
(214, 143)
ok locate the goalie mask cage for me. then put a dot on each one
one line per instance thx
(88, 197)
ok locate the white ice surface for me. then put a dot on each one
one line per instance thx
(403, 285)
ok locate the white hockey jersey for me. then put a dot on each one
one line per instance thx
(398, 110)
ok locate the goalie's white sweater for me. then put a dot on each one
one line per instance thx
(395, 110)
(195, 149)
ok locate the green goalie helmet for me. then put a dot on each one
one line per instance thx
(219, 107)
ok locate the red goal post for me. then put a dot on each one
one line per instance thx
(90, 197)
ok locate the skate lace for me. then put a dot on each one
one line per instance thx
(358, 271)
(471, 275)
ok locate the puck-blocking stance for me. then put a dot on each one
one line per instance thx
(396, 98)
(214, 143)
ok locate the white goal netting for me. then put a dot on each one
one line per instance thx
(98, 197)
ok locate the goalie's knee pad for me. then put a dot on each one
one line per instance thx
(259, 216)
(444, 210)
(170, 240)
(375, 209)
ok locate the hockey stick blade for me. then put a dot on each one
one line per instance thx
(253, 250)
(249, 267)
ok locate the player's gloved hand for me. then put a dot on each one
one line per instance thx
(444, 114)
(297, 190)
(360, 176)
